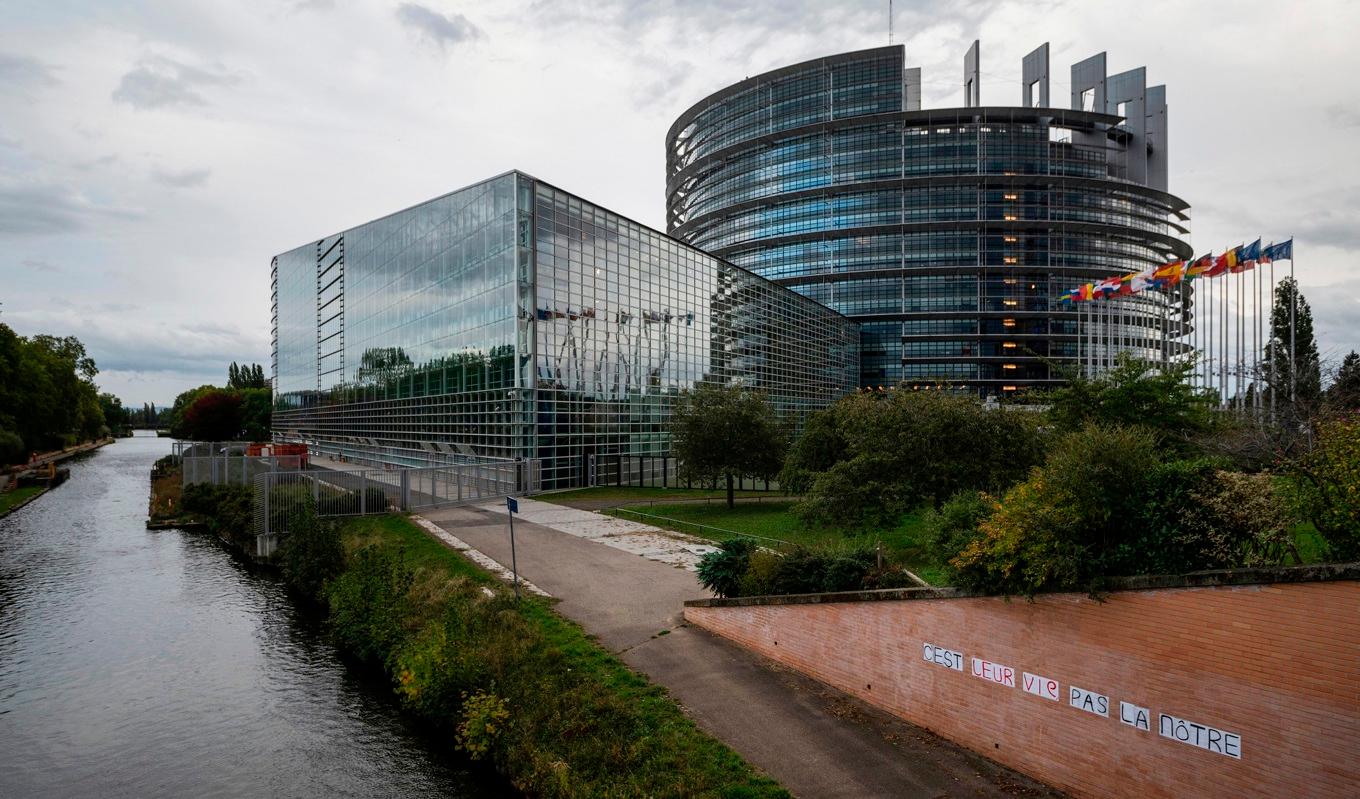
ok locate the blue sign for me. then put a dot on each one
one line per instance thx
(512, 504)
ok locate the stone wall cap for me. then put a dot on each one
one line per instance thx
(1322, 572)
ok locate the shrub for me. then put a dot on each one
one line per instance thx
(1058, 529)
(1330, 481)
(954, 526)
(368, 602)
(721, 571)
(906, 447)
(484, 716)
(12, 448)
(1102, 505)
(311, 553)
(228, 510)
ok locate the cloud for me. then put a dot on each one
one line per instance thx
(1343, 115)
(17, 70)
(39, 265)
(47, 208)
(186, 179)
(439, 29)
(160, 82)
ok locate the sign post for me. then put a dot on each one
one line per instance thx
(513, 507)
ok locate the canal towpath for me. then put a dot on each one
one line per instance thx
(626, 583)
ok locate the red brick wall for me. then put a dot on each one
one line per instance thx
(1278, 665)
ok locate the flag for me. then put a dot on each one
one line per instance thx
(1199, 266)
(1170, 274)
(1144, 280)
(1127, 285)
(1086, 293)
(1227, 262)
(1068, 296)
(1247, 255)
(1284, 251)
(1106, 287)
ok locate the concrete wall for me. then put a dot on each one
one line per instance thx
(1276, 665)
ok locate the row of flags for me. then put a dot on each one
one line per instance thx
(1238, 259)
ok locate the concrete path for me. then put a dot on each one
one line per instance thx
(627, 588)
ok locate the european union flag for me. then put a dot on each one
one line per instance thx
(1250, 253)
(1284, 251)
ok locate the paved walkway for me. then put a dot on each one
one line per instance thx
(625, 583)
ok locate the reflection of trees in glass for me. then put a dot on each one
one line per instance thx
(379, 363)
(389, 373)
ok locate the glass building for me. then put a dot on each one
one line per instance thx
(947, 233)
(511, 319)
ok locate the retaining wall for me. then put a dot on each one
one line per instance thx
(1220, 684)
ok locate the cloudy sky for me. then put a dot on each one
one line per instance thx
(155, 155)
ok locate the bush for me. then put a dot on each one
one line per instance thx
(484, 717)
(311, 553)
(878, 455)
(368, 602)
(721, 571)
(739, 569)
(954, 526)
(228, 510)
(12, 448)
(1102, 505)
(1330, 481)
(1057, 529)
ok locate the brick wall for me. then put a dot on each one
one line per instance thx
(1276, 664)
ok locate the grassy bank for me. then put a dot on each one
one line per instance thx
(11, 500)
(903, 544)
(630, 494)
(516, 684)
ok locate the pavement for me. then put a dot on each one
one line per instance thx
(626, 583)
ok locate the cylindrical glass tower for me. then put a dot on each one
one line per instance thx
(947, 234)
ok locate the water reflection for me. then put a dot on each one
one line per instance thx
(138, 663)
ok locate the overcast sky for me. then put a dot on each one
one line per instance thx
(155, 155)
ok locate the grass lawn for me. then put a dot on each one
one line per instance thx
(583, 723)
(629, 494)
(10, 499)
(902, 544)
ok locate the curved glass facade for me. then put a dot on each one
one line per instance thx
(948, 234)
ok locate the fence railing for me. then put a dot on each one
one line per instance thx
(280, 496)
(237, 469)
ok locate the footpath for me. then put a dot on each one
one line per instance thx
(626, 583)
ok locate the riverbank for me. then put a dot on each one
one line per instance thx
(56, 456)
(514, 683)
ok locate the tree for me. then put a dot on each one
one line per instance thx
(117, 418)
(242, 377)
(877, 455)
(215, 415)
(1293, 379)
(727, 431)
(1330, 478)
(1158, 398)
(47, 394)
(1345, 390)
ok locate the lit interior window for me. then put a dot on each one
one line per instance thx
(1008, 322)
(1010, 196)
(1010, 259)
(1009, 217)
(1010, 345)
(1009, 302)
(1010, 239)
(1008, 366)
(1008, 388)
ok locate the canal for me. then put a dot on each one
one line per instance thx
(139, 663)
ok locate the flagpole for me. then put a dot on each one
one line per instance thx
(1256, 343)
(1293, 310)
(1241, 332)
(1275, 351)
(1223, 346)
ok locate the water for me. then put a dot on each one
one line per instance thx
(139, 663)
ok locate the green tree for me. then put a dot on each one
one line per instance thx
(1330, 478)
(1345, 390)
(897, 449)
(1304, 367)
(247, 376)
(256, 407)
(47, 394)
(1135, 392)
(727, 432)
(117, 418)
(215, 415)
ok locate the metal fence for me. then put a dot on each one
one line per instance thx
(236, 469)
(280, 496)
